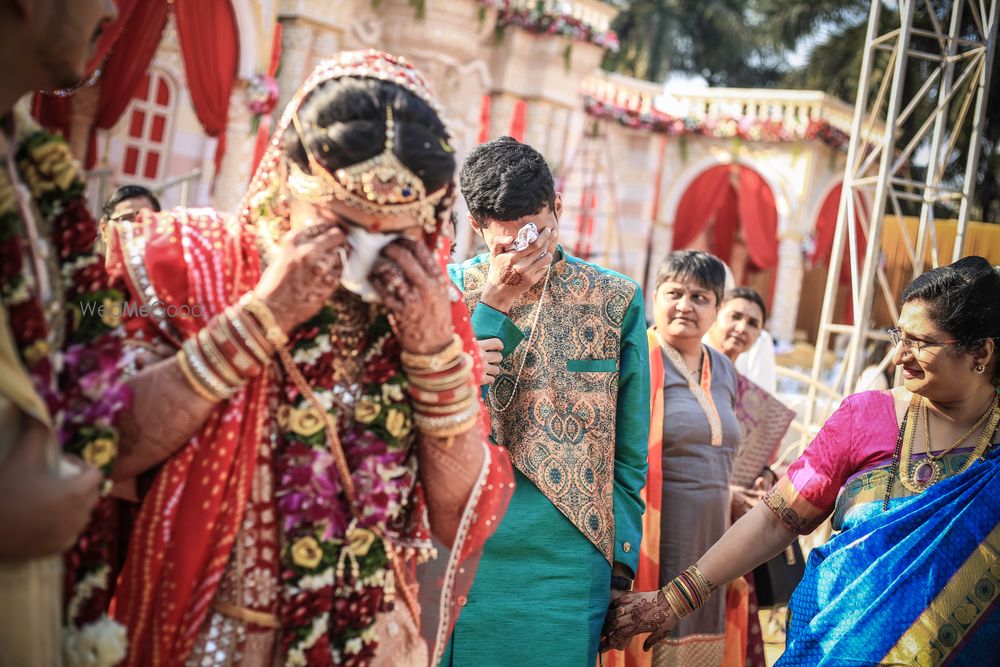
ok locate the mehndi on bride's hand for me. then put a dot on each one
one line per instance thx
(414, 289)
(636, 613)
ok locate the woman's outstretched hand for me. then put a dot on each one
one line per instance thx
(636, 613)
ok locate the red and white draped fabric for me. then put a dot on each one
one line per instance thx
(737, 199)
(196, 507)
(209, 42)
(826, 226)
(210, 45)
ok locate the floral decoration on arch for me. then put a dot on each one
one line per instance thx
(722, 127)
(261, 97)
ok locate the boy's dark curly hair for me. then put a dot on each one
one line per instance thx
(505, 180)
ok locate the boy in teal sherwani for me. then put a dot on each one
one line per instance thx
(571, 404)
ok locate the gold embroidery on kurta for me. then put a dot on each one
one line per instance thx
(560, 426)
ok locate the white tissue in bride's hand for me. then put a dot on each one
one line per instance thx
(363, 248)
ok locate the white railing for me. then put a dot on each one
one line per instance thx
(793, 107)
(184, 182)
(99, 187)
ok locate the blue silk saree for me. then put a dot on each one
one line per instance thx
(917, 584)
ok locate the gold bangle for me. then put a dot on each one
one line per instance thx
(260, 310)
(199, 367)
(707, 586)
(437, 361)
(448, 424)
(452, 379)
(676, 606)
(251, 343)
(194, 383)
(216, 361)
(454, 407)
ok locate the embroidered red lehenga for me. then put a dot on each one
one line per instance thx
(246, 549)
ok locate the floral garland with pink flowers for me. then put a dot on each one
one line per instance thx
(73, 357)
(746, 128)
(336, 574)
(540, 19)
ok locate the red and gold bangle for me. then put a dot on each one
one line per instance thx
(262, 313)
(460, 374)
(239, 358)
(446, 369)
(442, 396)
(216, 361)
(445, 409)
(253, 340)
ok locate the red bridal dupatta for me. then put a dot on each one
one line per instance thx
(186, 267)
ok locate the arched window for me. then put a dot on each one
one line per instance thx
(149, 126)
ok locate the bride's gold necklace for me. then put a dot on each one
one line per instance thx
(919, 476)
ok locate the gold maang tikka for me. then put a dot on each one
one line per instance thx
(381, 185)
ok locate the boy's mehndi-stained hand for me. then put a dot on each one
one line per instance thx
(512, 272)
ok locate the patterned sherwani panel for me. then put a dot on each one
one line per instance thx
(559, 419)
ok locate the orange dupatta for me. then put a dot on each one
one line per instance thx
(648, 576)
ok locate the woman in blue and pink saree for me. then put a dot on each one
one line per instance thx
(909, 477)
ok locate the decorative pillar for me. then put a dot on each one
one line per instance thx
(296, 45)
(788, 287)
(234, 173)
(537, 131)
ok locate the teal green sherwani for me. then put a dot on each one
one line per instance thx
(571, 404)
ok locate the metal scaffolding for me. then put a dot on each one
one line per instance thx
(878, 173)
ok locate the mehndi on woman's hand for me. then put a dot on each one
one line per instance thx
(636, 613)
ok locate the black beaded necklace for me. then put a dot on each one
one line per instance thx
(894, 468)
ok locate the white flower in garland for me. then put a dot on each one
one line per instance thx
(102, 643)
(315, 582)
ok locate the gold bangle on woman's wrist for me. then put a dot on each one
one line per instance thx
(688, 591)
(263, 314)
(193, 381)
(434, 362)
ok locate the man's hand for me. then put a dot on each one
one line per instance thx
(41, 513)
(489, 352)
(513, 273)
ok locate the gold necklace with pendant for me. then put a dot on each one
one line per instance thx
(921, 476)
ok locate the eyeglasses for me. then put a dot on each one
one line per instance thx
(912, 345)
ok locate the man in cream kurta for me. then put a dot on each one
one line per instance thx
(571, 403)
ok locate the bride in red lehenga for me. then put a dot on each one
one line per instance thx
(321, 480)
